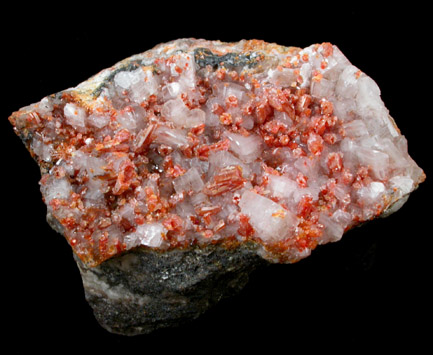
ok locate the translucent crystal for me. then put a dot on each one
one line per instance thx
(202, 143)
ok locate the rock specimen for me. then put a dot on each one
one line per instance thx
(175, 172)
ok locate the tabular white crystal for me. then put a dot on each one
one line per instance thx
(356, 128)
(403, 183)
(45, 106)
(126, 212)
(342, 193)
(231, 90)
(140, 83)
(368, 97)
(98, 121)
(372, 193)
(127, 79)
(95, 191)
(151, 235)
(282, 77)
(333, 230)
(377, 161)
(284, 118)
(305, 73)
(173, 89)
(269, 219)
(343, 218)
(222, 159)
(282, 187)
(43, 151)
(176, 111)
(190, 181)
(59, 189)
(172, 137)
(346, 86)
(75, 116)
(307, 166)
(324, 88)
(92, 165)
(247, 148)
(127, 121)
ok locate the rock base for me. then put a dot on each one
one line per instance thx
(144, 290)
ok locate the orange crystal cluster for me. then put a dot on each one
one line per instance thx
(197, 142)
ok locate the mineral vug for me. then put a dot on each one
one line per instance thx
(201, 143)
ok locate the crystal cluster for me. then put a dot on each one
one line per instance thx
(198, 143)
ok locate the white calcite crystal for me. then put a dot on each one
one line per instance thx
(268, 218)
(291, 141)
(198, 143)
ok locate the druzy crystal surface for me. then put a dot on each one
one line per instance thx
(198, 143)
(178, 171)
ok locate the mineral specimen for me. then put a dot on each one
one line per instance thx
(175, 172)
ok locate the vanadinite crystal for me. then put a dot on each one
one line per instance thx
(201, 144)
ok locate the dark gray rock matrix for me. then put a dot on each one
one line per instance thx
(145, 290)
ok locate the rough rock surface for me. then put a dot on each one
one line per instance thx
(145, 290)
(176, 171)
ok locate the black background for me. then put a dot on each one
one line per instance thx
(369, 291)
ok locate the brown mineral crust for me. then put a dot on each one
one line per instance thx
(112, 149)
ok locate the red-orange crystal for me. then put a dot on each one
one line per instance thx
(197, 142)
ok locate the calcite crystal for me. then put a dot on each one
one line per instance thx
(175, 172)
